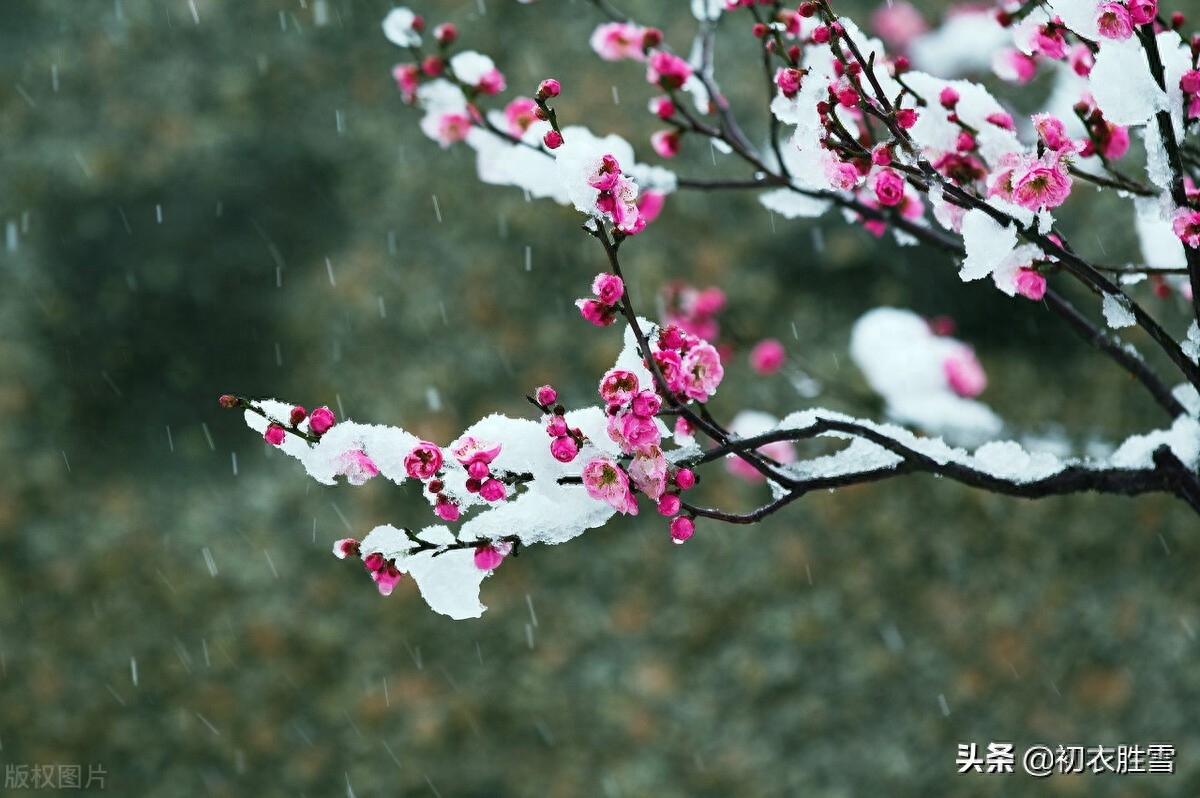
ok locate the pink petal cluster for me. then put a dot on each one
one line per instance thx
(1014, 66)
(693, 311)
(1031, 284)
(614, 41)
(888, 187)
(424, 461)
(321, 420)
(520, 115)
(1187, 226)
(1114, 21)
(604, 480)
(648, 472)
(1031, 182)
(383, 572)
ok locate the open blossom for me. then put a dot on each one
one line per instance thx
(964, 374)
(667, 70)
(1187, 226)
(467, 450)
(1113, 21)
(614, 41)
(1048, 41)
(618, 387)
(1142, 12)
(648, 472)
(666, 142)
(633, 433)
(621, 205)
(356, 467)
(408, 79)
(520, 115)
(423, 461)
(604, 480)
(1031, 182)
(386, 579)
(841, 175)
(702, 371)
(608, 288)
(788, 80)
(670, 364)
(446, 128)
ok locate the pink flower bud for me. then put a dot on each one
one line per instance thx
(557, 426)
(821, 34)
(297, 415)
(669, 504)
(373, 561)
(596, 312)
(618, 387)
(647, 404)
(321, 420)
(445, 33)
(1031, 284)
(274, 435)
(666, 142)
(478, 470)
(563, 449)
(346, 547)
(964, 374)
(948, 97)
(889, 187)
(386, 579)
(492, 490)
(682, 528)
(1142, 12)
(490, 555)
(685, 478)
(906, 118)
(1190, 81)
(965, 142)
(548, 88)
(546, 396)
(608, 288)
(670, 337)
(446, 509)
(880, 156)
(553, 139)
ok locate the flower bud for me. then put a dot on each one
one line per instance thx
(553, 139)
(682, 528)
(548, 88)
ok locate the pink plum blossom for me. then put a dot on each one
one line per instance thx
(386, 579)
(1013, 65)
(646, 404)
(274, 435)
(666, 142)
(614, 41)
(650, 205)
(357, 467)
(446, 508)
(492, 490)
(546, 396)
(702, 371)
(669, 504)
(346, 547)
(564, 448)
(767, 357)
(1031, 284)
(670, 364)
(321, 420)
(423, 461)
(489, 556)
(618, 387)
(964, 374)
(407, 77)
(596, 312)
(1114, 21)
(1142, 12)
(685, 478)
(519, 115)
(888, 187)
(662, 107)
(667, 70)
(682, 528)
(467, 450)
(1044, 183)
(1187, 226)
(1050, 129)
(608, 288)
(648, 472)
(604, 480)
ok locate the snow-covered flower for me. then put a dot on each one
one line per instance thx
(402, 27)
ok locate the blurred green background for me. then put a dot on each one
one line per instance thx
(230, 196)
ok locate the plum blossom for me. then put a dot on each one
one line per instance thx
(357, 467)
(489, 556)
(423, 461)
(888, 187)
(648, 472)
(667, 70)
(702, 371)
(614, 41)
(321, 420)
(1187, 226)
(767, 357)
(519, 115)
(1014, 66)
(618, 387)
(1114, 21)
(964, 374)
(467, 450)
(604, 480)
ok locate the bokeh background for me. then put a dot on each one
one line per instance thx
(229, 195)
